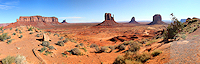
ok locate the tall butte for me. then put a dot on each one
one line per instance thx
(37, 21)
(133, 21)
(157, 19)
(109, 20)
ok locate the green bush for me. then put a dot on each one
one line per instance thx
(156, 52)
(1, 28)
(31, 33)
(56, 34)
(112, 48)
(119, 60)
(43, 49)
(14, 34)
(8, 37)
(60, 43)
(61, 38)
(30, 29)
(8, 60)
(38, 35)
(65, 41)
(45, 43)
(10, 28)
(51, 47)
(9, 41)
(76, 51)
(142, 57)
(122, 47)
(47, 53)
(173, 29)
(134, 47)
(16, 29)
(20, 59)
(3, 36)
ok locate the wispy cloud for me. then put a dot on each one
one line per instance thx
(69, 17)
(8, 5)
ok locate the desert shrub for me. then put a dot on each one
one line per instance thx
(142, 57)
(1, 28)
(3, 36)
(60, 43)
(16, 29)
(51, 47)
(47, 53)
(31, 33)
(134, 47)
(183, 36)
(122, 47)
(38, 35)
(56, 34)
(173, 29)
(8, 37)
(61, 38)
(30, 29)
(9, 41)
(8, 60)
(84, 49)
(43, 49)
(103, 49)
(93, 45)
(45, 43)
(20, 36)
(156, 52)
(10, 28)
(14, 34)
(97, 49)
(81, 44)
(20, 59)
(119, 60)
(20, 31)
(76, 51)
(112, 48)
(65, 41)
(2, 31)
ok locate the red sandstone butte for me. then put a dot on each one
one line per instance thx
(157, 19)
(133, 21)
(37, 21)
(109, 20)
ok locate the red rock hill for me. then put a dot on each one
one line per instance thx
(109, 20)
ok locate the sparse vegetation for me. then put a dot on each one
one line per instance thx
(122, 47)
(93, 45)
(43, 49)
(84, 49)
(57, 35)
(60, 43)
(10, 28)
(1, 28)
(134, 47)
(30, 29)
(3, 36)
(142, 57)
(14, 34)
(103, 49)
(16, 29)
(38, 35)
(9, 41)
(156, 52)
(31, 33)
(47, 53)
(45, 43)
(51, 47)
(20, 59)
(61, 38)
(8, 60)
(66, 40)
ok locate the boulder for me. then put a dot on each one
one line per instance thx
(157, 19)
(133, 21)
(45, 37)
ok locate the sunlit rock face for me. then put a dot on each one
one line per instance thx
(157, 19)
(36, 19)
(109, 20)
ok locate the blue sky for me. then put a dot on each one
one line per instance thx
(82, 11)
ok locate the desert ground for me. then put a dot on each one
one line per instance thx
(90, 40)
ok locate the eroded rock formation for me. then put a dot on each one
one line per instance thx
(64, 21)
(157, 19)
(109, 20)
(133, 21)
(37, 21)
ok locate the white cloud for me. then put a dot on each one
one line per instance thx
(8, 5)
(69, 17)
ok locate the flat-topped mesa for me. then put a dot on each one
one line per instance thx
(36, 19)
(157, 19)
(109, 20)
(133, 21)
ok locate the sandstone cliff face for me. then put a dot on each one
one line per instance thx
(37, 21)
(109, 20)
(133, 21)
(157, 19)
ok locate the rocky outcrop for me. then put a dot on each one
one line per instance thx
(64, 21)
(157, 19)
(109, 20)
(133, 21)
(37, 21)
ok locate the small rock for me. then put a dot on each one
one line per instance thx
(18, 48)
